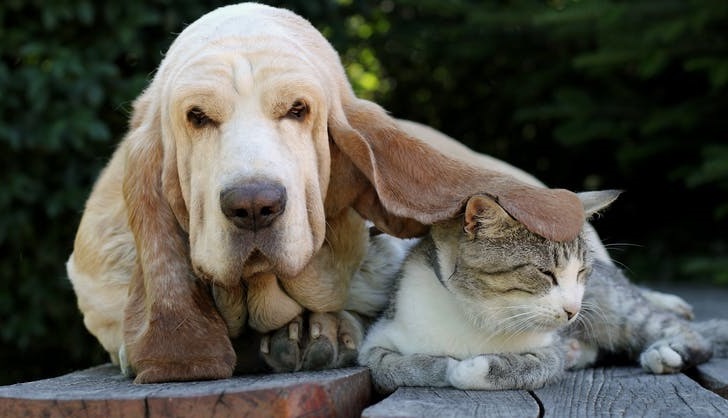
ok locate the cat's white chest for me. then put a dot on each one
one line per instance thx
(429, 320)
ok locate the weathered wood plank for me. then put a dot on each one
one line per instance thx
(713, 375)
(103, 392)
(629, 392)
(426, 402)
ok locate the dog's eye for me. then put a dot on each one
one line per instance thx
(298, 110)
(198, 118)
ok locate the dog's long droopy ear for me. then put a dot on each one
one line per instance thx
(411, 184)
(170, 175)
(172, 330)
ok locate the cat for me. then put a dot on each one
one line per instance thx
(483, 303)
(623, 322)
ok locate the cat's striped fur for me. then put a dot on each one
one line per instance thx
(482, 303)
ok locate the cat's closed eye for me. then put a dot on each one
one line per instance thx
(519, 289)
(549, 275)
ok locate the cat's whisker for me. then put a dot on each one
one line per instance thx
(621, 245)
(515, 330)
(511, 324)
(595, 309)
(621, 264)
(594, 318)
(584, 322)
(521, 323)
(516, 321)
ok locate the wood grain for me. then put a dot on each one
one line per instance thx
(103, 392)
(450, 403)
(629, 392)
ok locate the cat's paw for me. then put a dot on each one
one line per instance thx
(661, 359)
(470, 373)
(318, 341)
(677, 353)
(579, 354)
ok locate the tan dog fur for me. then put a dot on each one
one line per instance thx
(153, 244)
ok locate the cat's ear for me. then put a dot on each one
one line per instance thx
(483, 211)
(596, 201)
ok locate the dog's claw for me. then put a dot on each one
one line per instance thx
(284, 354)
(124, 365)
(293, 331)
(265, 344)
(348, 341)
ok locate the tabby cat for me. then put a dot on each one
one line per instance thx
(482, 303)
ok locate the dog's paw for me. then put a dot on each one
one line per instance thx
(281, 349)
(169, 367)
(198, 348)
(315, 342)
(334, 341)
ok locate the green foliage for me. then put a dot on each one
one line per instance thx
(584, 94)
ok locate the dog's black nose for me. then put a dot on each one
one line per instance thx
(253, 206)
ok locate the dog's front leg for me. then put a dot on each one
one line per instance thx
(172, 332)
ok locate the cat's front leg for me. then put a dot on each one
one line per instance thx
(530, 370)
(391, 369)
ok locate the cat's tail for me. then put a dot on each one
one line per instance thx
(716, 331)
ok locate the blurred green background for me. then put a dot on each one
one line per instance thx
(583, 94)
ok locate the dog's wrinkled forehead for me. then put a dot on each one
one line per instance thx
(254, 29)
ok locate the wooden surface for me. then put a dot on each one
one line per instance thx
(601, 392)
(103, 392)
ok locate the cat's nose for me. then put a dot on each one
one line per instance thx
(570, 313)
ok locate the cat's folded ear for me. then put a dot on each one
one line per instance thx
(597, 200)
(483, 214)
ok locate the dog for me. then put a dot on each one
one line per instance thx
(237, 204)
